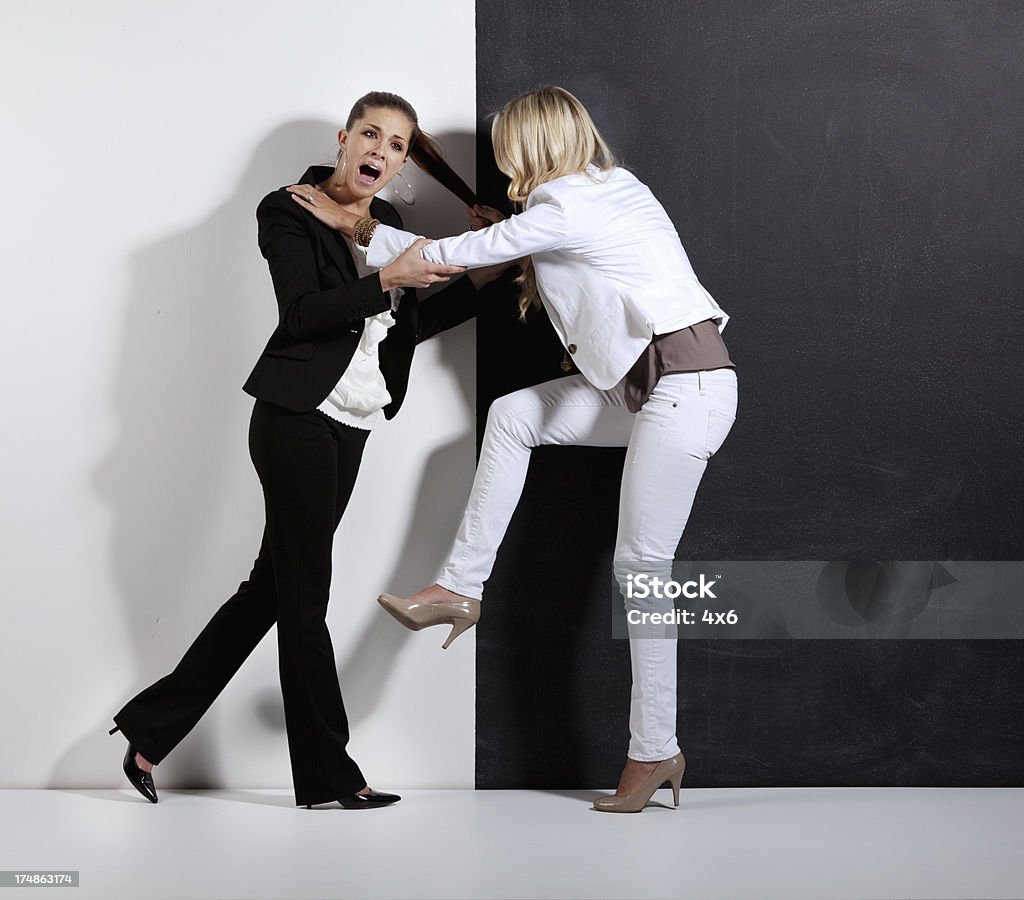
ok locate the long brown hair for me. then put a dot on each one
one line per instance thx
(422, 147)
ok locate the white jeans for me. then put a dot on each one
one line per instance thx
(683, 422)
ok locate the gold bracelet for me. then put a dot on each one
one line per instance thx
(364, 230)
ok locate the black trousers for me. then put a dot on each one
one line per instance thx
(307, 464)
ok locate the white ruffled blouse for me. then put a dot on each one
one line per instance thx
(359, 397)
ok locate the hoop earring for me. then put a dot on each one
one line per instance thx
(398, 193)
(343, 159)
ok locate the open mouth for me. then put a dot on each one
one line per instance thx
(369, 173)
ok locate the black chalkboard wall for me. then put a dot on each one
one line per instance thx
(847, 180)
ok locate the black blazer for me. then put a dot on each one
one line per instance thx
(322, 304)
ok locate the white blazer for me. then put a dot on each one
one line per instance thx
(611, 271)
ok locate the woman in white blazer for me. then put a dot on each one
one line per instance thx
(601, 255)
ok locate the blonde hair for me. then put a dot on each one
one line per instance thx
(539, 136)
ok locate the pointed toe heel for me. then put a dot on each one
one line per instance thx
(371, 800)
(141, 780)
(670, 770)
(460, 614)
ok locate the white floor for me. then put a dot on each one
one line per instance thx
(786, 843)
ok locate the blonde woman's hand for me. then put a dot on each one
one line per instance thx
(486, 274)
(481, 216)
(412, 270)
(315, 201)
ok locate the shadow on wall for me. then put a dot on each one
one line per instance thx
(187, 514)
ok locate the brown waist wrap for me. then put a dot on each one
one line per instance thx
(693, 349)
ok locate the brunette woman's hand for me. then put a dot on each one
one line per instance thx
(324, 208)
(412, 270)
(481, 216)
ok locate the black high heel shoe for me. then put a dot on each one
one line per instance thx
(141, 780)
(365, 801)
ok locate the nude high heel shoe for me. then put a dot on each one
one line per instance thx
(460, 614)
(670, 770)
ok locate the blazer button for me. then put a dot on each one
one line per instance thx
(571, 348)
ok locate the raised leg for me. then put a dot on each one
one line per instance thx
(564, 411)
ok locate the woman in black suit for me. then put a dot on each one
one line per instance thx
(337, 363)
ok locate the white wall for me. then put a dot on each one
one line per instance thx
(141, 137)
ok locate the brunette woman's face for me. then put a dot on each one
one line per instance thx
(375, 148)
